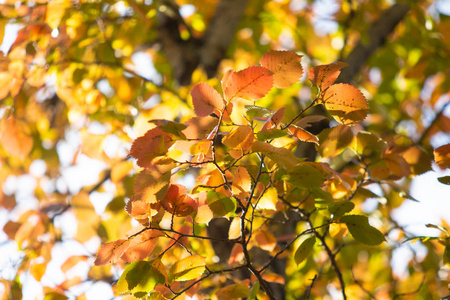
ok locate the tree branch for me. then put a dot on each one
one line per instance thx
(220, 33)
(378, 33)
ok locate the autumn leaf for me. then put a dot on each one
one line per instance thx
(285, 65)
(265, 240)
(304, 250)
(55, 11)
(242, 183)
(345, 103)
(141, 245)
(239, 139)
(306, 175)
(177, 202)
(274, 119)
(361, 230)
(140, 276)
(442, 156)
(111, 252)
(14, 139)
(237, 255)
(282, 156)
(268, 200)
(233, 291)
(206, 99)
(252, 84)
(187, 268)
(220, 204)
(324, 76)
(152, 144)
(302, 134)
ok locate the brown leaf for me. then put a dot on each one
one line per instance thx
(252, 83)
(285, 65)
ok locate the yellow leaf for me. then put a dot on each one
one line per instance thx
(38, 270)
(242, 183)
(268, 200)
(13, 138)
(235, 229)
(55, 12)
(188, 268)
(239, 137)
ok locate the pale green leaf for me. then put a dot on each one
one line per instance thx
(304, 250)
(361, 230)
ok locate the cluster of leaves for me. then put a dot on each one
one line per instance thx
(223, 188)
(250, 176)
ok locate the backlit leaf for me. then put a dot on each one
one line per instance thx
(188, 268)
(177, 202)
(442, 156)
(334, 141)
(206, 99)
(233, 291)
(242, 183)
(282, 156)
(237, 255)
(55, 11)
(240, 137)
(140, 276)
(285, 65)
(268, 200)
(252, 84)
(257, 112)
(302, 134)
(14, 139)
(265, 240)
(274, 120)
(338, 209)
(220, 204)
(361, 230)
(141, 245)
(234, 231)
(346, 104)
(153, 143)
(304, 250)
(111, 252)
(325, 75)
(306, 175)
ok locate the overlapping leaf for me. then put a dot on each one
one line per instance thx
(324, 76)
(252, 84)
(361, 230)
(345, 103)
(140, 277)
(206, 99)
(188, 268)
(285, 65)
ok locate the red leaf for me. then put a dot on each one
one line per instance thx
(111, 252)
(285, 65)
(177, 202)
(252, 83)
(325, 75)
(345, 103)
(206, 99)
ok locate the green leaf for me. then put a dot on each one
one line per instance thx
(220, 204)
(233, 291)
(255, 112)
(338, 209)
(254, 291)
(138, 277)
(447, 253)
(444, 180)
(270, 134)
(361, 230)
(188, 268)
(304, 250)
(305, 175)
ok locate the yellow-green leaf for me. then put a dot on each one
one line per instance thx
(188, 268)
(304, 250)
(361, 230)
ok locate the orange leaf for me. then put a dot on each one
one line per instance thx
(252, 83)
(237, 254)
(345, 103)
(153, 143)
(206, 99)
(325, 75)
(111, 252)
(151, 184)
(72, 261)
(274, 119)
(265, 240)
(285, 65)
(13, 138)
(302, 134)
(239, 137)
(234, 231)
(141, 245)
(6, 83)
(397, 164)
(442, 156)
(199, 128)
(242, 183)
